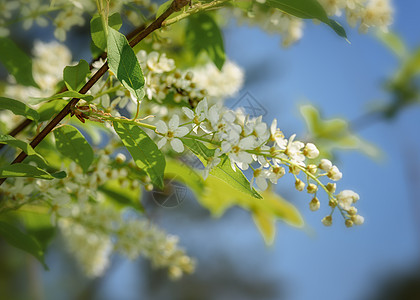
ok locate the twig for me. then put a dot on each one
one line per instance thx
(25, 123)
(175, 6)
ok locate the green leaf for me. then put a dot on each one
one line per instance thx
(24, 170)
(72, 144)
(144, 151)
(15, 237)
(16, 62)
(97, 31)
(337, 28)
(49, 109)
(123, 63)
(25, 147)
(334, 133)
(164, 6)
(18, 108)
(74, 76)
(393, 42)
(307, 9)
(203, 34)
(66, 94)
(284, 210)
(224, 170)
(304, 9)
(183, 173)
(266, 224)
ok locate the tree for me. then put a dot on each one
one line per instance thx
(147, 115)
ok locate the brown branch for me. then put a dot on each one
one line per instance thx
(176, 6)
(25, 123)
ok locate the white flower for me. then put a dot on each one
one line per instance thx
(237, 152)
(260, 178)
(358, 220)
(171, 133)
(277, 135)
(294, 150)
(311, 151)
(325, 165)
(346, 198)
(198, 115)
(275, 173)
(211, 163)
(334, 173)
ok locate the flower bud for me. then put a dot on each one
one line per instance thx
(352, 211)
(120, 158)
(310, 151)
(148, 187)
(325, 165)
(331, 187)
(312, 169)
(327, 221)
(314, 204)
(334, 173)
(312, 188)
(349, 223)
(358, 220)
(299, 185)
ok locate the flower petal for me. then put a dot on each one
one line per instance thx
(162, 142)
(161, 127)
(177, 145)
(174, 122)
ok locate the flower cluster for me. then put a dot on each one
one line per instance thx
(93, 232)
(367, 13)
(63, 14)
(251, 143)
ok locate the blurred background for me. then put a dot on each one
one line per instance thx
(379, 260)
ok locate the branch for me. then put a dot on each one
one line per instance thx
(175, 6)
(25, 123)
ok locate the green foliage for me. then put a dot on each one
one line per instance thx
(25, 170)
(224, 170)
(18, 108)
(66, 94)
(74, 76)
(124, 64)
(25, 147)
(72, 144)
(184, 174)
(164, 6)
(307, 9)
(393, 42)
(49, 109)
(220, 196)
(334, 133)
(15, 237)
(203, 34)
(97, 31)
(16, 62)
(144, 151)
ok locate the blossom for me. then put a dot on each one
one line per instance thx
(346, 198)
(237, 152)
(334, 173)
(260, 177)
(171, 133)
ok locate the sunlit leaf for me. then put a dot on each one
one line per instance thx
(66, 94)
(224, 170)
(203, 34)
(144, 151)
(25, 170)
(18, 108)
(123, 63)
(72, 144)
(97, 31)
(75, 76)
(266, 224)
